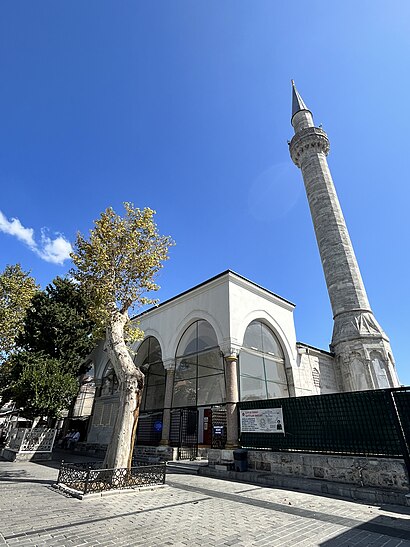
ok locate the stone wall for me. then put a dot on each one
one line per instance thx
(103, 419)
(316, 372)
(160, 453)
(384, 473)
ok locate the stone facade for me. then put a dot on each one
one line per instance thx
(375, 480)
(317, 367)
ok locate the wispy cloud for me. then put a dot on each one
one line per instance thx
(55, 250)
(15, 228)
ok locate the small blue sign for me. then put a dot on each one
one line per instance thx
(158, 425)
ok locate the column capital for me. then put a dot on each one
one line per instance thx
(230, 351)
(169, 365)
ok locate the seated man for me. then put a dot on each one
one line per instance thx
(66, 439)
(73, 440)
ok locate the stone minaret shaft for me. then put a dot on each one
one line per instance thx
(362, 349)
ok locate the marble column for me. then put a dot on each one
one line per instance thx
(232, 398)
(166, 419)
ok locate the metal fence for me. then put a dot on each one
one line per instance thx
(87, 478)
(149, 430)
(184, 432)
(365, 423)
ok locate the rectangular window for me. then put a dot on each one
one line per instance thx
(276, 390)
(275, 372)
(251, 365)
(211, 389)
(184, 393)
(252, 389)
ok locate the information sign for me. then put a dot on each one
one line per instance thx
(262, 420)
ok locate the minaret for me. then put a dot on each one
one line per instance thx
(362, 350)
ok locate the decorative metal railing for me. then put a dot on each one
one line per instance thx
(39, 439)
(90, 477)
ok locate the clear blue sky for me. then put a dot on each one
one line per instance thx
(184, 106)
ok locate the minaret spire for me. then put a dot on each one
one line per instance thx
(362, 350)
(297, 101)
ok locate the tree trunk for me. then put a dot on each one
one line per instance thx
(131, 383)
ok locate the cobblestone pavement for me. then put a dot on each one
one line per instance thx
(189, 511)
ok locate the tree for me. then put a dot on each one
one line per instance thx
(17, 289)
(38, 385)
(58, 325)
(117, 266)
(55, 337)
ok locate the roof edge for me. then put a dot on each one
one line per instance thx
(206, 282)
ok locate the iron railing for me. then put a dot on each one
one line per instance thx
(87, 478)
(184, 432)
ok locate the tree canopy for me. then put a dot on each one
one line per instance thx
(117, 267)
(55, 337)
(38, 384)
(17, 289)
(59, 325)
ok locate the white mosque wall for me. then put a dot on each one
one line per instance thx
(229, 303)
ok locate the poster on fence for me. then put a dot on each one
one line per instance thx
(262, 420)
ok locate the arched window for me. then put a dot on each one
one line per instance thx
(261, 365)
(109, 384)
(149, 360)
(380, 373)
(316, 377)
(199, 370)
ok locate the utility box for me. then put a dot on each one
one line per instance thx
(240, 459)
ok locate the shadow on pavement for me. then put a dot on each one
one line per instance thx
(20, 475)
(395, 530)
(69, 456)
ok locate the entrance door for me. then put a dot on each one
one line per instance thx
(207, 426)
(218, 427)
(184, 432)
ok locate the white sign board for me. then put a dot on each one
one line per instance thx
(262, 420)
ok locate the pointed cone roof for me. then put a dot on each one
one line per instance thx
(297, 101)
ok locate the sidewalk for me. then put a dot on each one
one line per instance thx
(190, 511)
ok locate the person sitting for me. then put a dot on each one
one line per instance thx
(66, 439)
(73, 440)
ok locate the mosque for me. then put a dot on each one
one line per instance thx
(229, 340)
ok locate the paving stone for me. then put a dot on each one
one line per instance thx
(190, 511)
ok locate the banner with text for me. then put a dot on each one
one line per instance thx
(262, 420)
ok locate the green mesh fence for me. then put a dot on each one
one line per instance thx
(358, 423)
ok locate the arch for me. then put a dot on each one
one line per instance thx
(262, 372)
(316, 377)
(359, 372)
(270, 321)
(199, 336)
(199, 367)
(100, 367)
(380, 370)
(154, 333)
(149, 360)
(195, 315)
(109, 383)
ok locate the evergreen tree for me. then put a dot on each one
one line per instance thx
(56, 336)
(58, 325)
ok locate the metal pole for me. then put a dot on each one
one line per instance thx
(400, 433)
(87, 479)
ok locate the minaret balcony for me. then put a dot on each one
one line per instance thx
(307, 141)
